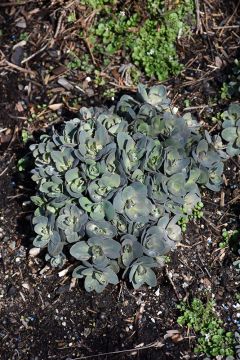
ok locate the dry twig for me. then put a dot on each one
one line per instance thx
(230, 18)
(6, 168)
(169, 276)
(17, 3)
(199, 23)
(34, 54)
(156, 344)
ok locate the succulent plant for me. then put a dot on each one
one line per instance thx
(95, 278)
(114, 185)
(140, 272)
(231, 129)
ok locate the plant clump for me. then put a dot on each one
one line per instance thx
(146, 37)
(114, 183)
(231, 88)
(212, 338)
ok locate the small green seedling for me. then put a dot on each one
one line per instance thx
(196, 213)
(26, 136)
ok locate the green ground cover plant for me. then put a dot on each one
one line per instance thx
(147, 38)
(114, 183)
(231, 87)
(212, 338)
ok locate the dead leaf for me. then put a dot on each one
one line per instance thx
(174, 335)
(177, 338)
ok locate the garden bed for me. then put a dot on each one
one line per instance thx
(45, 316)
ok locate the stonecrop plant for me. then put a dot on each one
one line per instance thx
(114, 183)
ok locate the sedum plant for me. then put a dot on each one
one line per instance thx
(114, 186)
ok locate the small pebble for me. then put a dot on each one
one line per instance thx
(26, 286)
(21, 23)
(209, 240)
(34, 251)
(157, 293)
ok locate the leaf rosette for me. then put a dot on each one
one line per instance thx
(114, 184)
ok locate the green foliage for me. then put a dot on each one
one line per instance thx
(97, 3)
(155, 7)
(110, 93)
(21, 164)
(196, 212)
(24, 36)
(149, 41)
(26, 136)
(227, 236)
(71, 17)
(114, 32)
(154, 48)
(83, 63)
(225, 91)
(114, 183)
(232, 86)
(213, 339)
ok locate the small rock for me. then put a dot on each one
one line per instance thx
(26, 286)
(209, 240)
(11, 291)
(21, 23)
(63, 272)
(55, 107)
(102, 316)
(89, 92)
(65, 83)
(54, 53)
(157, 293)
(62, 289)
(12, 245)
(34, 251)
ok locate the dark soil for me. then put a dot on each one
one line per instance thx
(45, 316)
